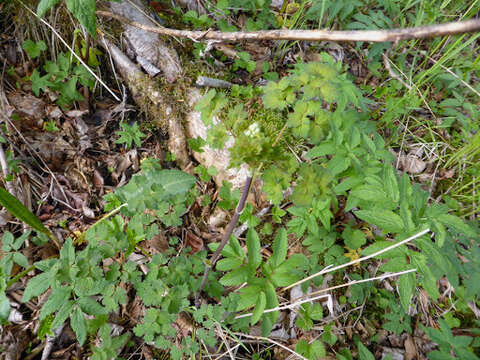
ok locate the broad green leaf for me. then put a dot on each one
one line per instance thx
(67, 252)
(269, 319)
(369, 193)
(20, 259)
(45, 5)
(317, 350)
(456, 224)
(248, 297)
(235, 277)
(385, 219)
(17, 209)
(175, 181)
(4, 308)
(79, 325)
(440, 232)
(406, 287)
(284, 278)
(253, 247)
(353, 238)
(62, 314)
(364, 353)
(280, 247)
(36, 286)
(34, 49)
(327, 148)
(90, 306)
(390, 183)
(55, 301)
(228, 264)
(84, 11)
(259, 308)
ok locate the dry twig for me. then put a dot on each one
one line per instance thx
(420, 32)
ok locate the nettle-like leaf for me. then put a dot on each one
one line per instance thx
(253, 246)
(384, 219)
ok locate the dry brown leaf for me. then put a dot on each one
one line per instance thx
(410, 348)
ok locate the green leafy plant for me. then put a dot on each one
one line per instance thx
(449, 346)
(243, 62)
(34, 49)
(130, 134)
(82, 10)
(61, 77)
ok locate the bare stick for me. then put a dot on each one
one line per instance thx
(420, 32)
(204, 81)
(226, 235)
(354, 282)
(330, 269)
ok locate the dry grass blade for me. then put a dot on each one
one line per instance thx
(330, 269)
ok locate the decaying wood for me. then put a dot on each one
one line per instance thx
(144, 90)
(151, 52)
(420, 32)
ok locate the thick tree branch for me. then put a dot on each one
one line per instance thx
(393, 35)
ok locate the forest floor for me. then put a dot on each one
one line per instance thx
(68, 141)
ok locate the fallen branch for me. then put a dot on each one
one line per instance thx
(420, 32)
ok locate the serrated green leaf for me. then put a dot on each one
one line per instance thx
(55, 301)
(406, 287)
(79, 325)
(253, 247)
(440, 232)
(317, 349)
(327, 148)
(259, 308)
(235, 277)
(34, 49)
(385, 219)
(36, 286)
(456, 224)
(280, 247)
(229, 264)
(84, 11)
(62, 314)
(175, 181)
(390, 183)
(45, 5)
(369, 193)
(248, 297)
(353, 238)
(364, 353)
(91, 306)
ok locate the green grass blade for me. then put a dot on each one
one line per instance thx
(17, 209)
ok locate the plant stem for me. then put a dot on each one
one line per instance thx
(19, 276)
(226, 235)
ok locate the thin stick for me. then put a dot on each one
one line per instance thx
(330, 269)
(289, 306)
(384, 276)
(226, 235)
(420, 32)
